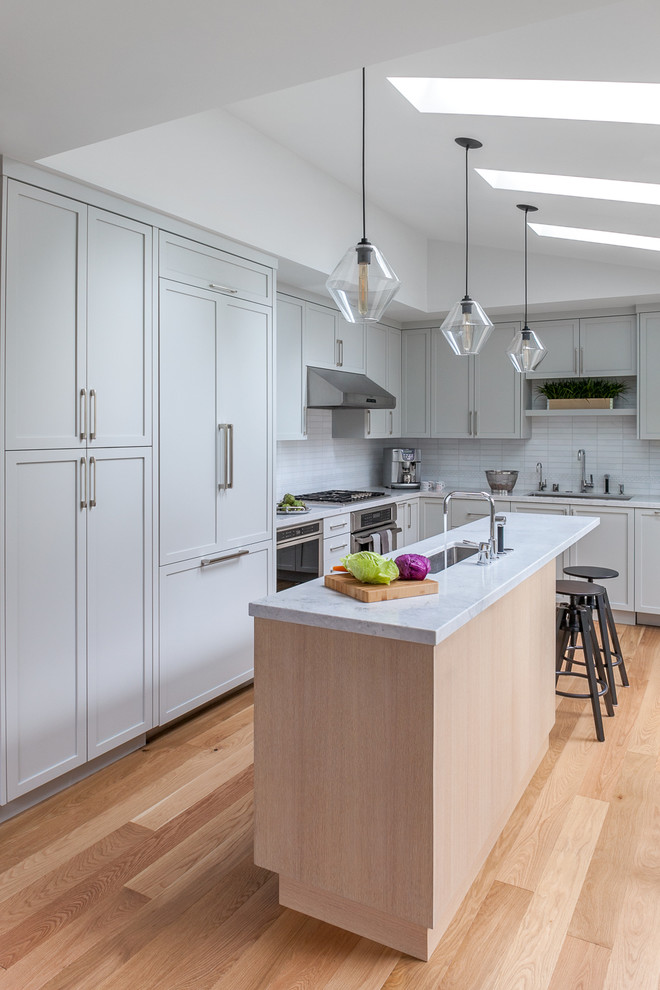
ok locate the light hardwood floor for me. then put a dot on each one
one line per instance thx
(142, 876)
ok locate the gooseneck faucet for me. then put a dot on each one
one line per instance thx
(542, 483)
(487, 551)
(584, 484)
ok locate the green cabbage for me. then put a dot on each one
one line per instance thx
(371, 568)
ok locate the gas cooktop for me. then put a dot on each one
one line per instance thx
(336, 496)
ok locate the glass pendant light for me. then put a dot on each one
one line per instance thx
(467, 327)
(363, 283)
(526, 350)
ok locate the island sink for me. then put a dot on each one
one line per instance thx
(443, 559)
(587, 495)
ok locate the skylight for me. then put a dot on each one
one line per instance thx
(623, 102)
(597, 236)
(573, 185)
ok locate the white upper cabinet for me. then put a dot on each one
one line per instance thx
(45, 319)
(119, 330)
(384, 368)
(331, 342)
(291, 372)
(416, 383)
(188, 261)
(215, 409)
(588, 347)
(78, 324)
(480, 396)
(648, 394)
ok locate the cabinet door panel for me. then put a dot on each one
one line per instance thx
(451, 408)
(119, 598)
(189, 438)
(291, 373)
(45, 318)
(547, 510)
(416, 383)
(245, 509)
(562, 338)
(611, 544)
(498, 389)
(206, 634)
(45, 634)
(394, 380)
(608, 345)
(319, 342)
(192, 263)
(647, 554)
(119, 329)
(648, 394)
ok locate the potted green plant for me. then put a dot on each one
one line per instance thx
(582, 393)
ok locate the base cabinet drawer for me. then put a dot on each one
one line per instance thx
(206, 634)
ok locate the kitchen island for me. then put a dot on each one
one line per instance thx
(393, 740)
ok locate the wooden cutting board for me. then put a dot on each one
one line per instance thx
(348, 585)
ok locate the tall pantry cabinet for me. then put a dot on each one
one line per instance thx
(77, 529)
(216, 479)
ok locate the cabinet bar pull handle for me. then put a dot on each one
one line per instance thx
(83, 483)
(223, 288)
(470, 423)
(230, 431)
(222, 454)
(476, 431)
(342, 546)
(92, 482)
(340, 353)
(409, 515)
(207, 561)
(391, 422)
(83, 413)
(581, 360)
(368, 422)
(339, 526)
(92, 413)
(304, 421)
(576, 364)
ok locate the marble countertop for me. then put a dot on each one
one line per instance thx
(639, 501)
(465, 590)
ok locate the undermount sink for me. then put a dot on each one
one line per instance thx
(452, 555)
(592, 495)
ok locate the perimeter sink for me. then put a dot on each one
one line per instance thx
(591, 495)
(452, 555)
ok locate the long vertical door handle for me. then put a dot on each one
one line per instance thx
(409, 515)
(582, 360)
(576, 363)
(222, 454)
(391, 422)
(92, 482)
(470, 423)
(230, 431)
(476, 430)
(83, 413)
(368, 422)
(92, 414)
(83, 482)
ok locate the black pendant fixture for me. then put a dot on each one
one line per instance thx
(467, 327)
(526, 350)
(363, 284)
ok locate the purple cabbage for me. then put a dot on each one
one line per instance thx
(413, 566)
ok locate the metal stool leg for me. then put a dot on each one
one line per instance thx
(584, 618)
(605, 641)
(614, 640)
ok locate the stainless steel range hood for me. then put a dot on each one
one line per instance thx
(331, 389)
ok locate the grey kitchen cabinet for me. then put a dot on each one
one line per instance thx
(611, 544)
(481, 396)
(336, 539)
(407, 519)
(547, 509)
(647, 555)
(648, 375)
(587, 347)
(331, 342)
(78, 324)
(291, 373)
(466, 510)
(384, 368)
(416, 383)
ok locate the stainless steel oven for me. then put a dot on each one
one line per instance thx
(374, 529)
(299, 554)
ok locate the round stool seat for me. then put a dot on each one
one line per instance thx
(591, 573)
(579, 588)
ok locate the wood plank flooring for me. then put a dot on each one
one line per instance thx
(142, 876)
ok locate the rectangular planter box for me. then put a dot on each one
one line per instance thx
(580, 403)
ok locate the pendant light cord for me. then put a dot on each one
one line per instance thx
(525, 223)
(467, 206)
(364, 141)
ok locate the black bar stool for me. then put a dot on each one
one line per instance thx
(575, 632)
(606, 624)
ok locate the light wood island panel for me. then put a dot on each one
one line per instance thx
(385, 770)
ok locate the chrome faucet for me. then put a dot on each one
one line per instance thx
(542, 483)
(487, 550)
(584, 484)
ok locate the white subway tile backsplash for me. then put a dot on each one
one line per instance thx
(610, 444)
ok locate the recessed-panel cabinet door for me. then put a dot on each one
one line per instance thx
(45, 634)
(245, 493)
(452, 413)
(119, 330)
(206, 634)
(189, 435)
(45, 319)
(498, 388)
(119, 598)
(611, 544)
(647, 555)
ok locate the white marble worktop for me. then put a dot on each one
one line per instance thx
(465, 590)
